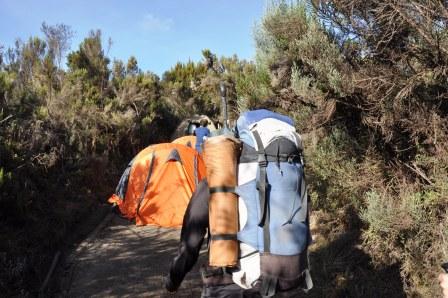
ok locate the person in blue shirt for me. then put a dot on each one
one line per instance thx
(201, 133)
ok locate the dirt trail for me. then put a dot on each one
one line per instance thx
(121, 259)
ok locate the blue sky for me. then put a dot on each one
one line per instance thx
(157, 32)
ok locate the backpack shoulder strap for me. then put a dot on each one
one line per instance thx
(298, 141)
(262, 187)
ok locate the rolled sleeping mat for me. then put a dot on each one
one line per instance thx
(220, 155)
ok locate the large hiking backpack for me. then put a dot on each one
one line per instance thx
(273, 205)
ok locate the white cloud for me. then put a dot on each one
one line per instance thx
(153, 23)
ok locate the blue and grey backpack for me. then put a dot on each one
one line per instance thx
(273, 205)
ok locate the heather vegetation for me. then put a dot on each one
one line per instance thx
(68, 132)
(366, 82)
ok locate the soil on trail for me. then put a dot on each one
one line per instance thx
(121, 259)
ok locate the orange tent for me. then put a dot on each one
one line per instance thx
(189, 141)
(158, 183)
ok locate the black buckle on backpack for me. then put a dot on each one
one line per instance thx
(293, 158)
(262, 160)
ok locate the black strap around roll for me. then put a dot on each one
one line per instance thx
(224, 237)
(216, 189)
(262, 188)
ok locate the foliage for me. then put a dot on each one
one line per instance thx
(58, 40)
(252, 87)
(366, 83)
(65, 137)
(66, 134)
(334, 171)
(193, 88)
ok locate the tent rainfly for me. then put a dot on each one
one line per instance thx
(189, 141)
(158, 183)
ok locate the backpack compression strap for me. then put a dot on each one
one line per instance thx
(262, 187)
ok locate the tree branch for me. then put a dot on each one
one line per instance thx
(6, 119)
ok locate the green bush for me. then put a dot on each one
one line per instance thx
(374, 120)
(333, 170)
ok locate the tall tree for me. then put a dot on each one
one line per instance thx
(58, 39)
(31, 56)
(49, 71)
(132, 66)
(91, 58)
(118, 71)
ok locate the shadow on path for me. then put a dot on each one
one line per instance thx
(125, 260)
(340, 268)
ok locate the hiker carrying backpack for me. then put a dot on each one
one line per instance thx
(273, 217)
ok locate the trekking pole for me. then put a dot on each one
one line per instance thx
(223, 92)
(220, 70)
(222, 89)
